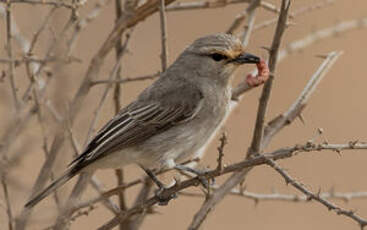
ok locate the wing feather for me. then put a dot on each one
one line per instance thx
(136, 123)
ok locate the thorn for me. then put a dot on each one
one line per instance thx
(318, 193)
(3, 75)
(256, 202)
(352, 144)
(266, 48)
(177, 180)
(300, 116)
(289, 24)
(322, 56)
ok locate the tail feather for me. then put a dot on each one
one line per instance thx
(52, 187)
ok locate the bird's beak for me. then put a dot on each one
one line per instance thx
(246, 58)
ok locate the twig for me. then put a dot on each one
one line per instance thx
(96, 184)
(250, 23)
(9, 47)
(127, 79)
(311, 196)
(45, 2)
(178, 6)
(83, 23)
(119, 49)
(259, 126)
(7, 201)
(250, 10)
(318, 35)
(113, 75)
(282, 153)
(163, 23)
(275, 125)
(58, 141)
(298, 12)
(196, 5)
(223, 141)
(274, 196)
(40, 30)
(312, 7)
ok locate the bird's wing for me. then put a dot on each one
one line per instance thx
(138, 122)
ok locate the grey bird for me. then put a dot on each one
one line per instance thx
(171, 119)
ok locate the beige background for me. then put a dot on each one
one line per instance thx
(338, 106)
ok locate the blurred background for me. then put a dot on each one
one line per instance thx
(338, 107)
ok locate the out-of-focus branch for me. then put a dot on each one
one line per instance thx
(7, 201)
(298, 12)
(196, 5)
(245, 38)
(44, 2)
(248, 12)
(119, 49)
(65, 214)
(127, 79)
(312, 196)
(318, 35)
(9, 49)
(163, 19)
(84, 22)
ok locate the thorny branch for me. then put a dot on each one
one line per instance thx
(312, 196)
(128, 21)
(275, 196)
(282, 153)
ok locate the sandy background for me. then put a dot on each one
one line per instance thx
(338, 106)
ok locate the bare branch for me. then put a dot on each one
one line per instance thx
(84, 22)
(259, 126)
(7, 201)
(275, 125)
(318, 35)
(196, 5)
(164, 53)
(282, 153)
(119, 49)
(311, 196)
(45, 2)
(245, 38)
(127, 79)
(298, 12)
(9, 47)
(249, 12)
(274, 196)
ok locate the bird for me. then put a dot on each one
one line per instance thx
(171, 119)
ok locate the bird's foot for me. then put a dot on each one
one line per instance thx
(201, 175)
(164, 198)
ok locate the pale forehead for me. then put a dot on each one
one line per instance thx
(223, 43)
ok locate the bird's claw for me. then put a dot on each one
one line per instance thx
(163, 199)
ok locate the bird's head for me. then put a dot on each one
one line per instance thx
(215, 56)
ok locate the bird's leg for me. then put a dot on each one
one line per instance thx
(199, 173)
(154, 178)
(161, 188)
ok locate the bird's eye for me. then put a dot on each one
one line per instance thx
(218, 56)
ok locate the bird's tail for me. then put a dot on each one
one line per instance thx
(52, 187)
